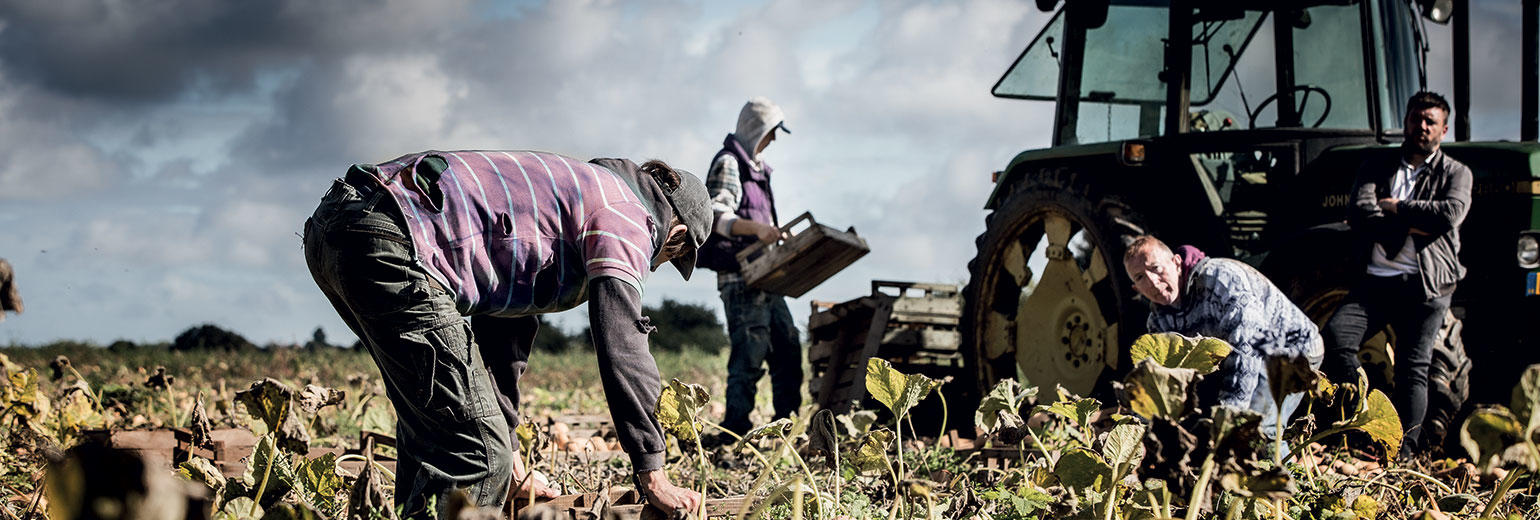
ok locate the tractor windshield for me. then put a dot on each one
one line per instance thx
(1124, 56)
(1333, 80)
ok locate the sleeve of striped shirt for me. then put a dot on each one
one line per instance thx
(725, 189)
(617, 241)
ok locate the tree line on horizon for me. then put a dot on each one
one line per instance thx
(680, 326)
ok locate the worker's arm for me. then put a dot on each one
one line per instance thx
(628, 371)
(1446, 210)
(631, 386)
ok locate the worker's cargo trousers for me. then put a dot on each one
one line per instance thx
(450, 432)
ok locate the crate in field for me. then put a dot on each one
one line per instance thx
(911, 325)
(794, 266)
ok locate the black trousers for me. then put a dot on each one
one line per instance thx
(1400, 303)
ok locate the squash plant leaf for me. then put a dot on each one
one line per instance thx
(315, 397)
(872, 455)
(1290, 375)
(199, 469)
(1078, 410)
(678, 406)
(774, 428)
(1271, 484)
(1379, 420)
(320, 483)
(1080, 468)
(896, 390)
(1122, 444)
(1172, 350)
(999, 413)
(267, 400)
(1525, 402)
(1489, 433)
(1154, 390)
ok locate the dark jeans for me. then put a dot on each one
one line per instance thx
(761, 332)
(449, 432)
(1398, 302)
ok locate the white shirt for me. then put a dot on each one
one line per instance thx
(1405, 262)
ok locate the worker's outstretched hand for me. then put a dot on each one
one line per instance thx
(540, 488)
(665, 495)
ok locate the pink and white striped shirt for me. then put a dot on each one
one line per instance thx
(518, 232)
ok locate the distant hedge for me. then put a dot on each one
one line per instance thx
(210, 337)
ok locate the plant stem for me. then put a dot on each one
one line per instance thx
(266, 472)
(1112, 499)
(1502, 489)
(700, 456)
(95, 400)
(1204, 474)
(942, 434)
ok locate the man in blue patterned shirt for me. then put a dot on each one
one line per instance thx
(1226, 299)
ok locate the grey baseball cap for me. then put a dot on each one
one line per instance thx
(693, 207)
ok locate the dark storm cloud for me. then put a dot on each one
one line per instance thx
(156, 50)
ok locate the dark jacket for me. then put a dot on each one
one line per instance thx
(1439, 202)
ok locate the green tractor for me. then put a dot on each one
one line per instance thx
(1236, 126)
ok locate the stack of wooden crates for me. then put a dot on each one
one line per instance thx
(912, 325)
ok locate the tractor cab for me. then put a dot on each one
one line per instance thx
(1339, 65)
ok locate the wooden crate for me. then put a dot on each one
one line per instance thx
(912, 325)
(794, 266)
(624, 504)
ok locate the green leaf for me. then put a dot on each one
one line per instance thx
(1123, 442)
(1290, 375)
(199, 469)
(1380, 421)
(1078, 411)
(679, 405)
(1487, 435)
(1366, 507)
(1526, 400)
(241, 508)
(1080, 468)
(273, 403)
(525, 431)
(1268, 484)
(268, 400)
(774, 428)
(1172, 350)
(872, 455)
(321, 483)
(280, 479)
(1001, 409)
(1154, 390)
(896, 390)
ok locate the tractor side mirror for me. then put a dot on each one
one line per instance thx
(1436, 11)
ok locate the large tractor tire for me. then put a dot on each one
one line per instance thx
(1320, 292)
(1047, 298)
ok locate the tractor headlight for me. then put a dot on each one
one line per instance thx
(1529, 251)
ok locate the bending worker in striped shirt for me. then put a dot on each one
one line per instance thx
(405, 249)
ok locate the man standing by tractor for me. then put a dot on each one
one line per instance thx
(405, 248)
(1407, 212)
(759, 326)
(1226, 299)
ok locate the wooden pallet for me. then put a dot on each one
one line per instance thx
(912, 325)
(794, 266)
(624, 504)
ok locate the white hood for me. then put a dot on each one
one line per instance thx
(757, 118)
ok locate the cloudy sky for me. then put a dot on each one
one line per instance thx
(158, 157)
